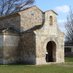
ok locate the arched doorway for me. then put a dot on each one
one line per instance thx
(51, 52)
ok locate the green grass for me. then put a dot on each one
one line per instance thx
(54, 68)
(50, 68)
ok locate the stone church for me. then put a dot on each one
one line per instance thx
(31, 36)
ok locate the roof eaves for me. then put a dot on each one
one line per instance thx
(52, 11)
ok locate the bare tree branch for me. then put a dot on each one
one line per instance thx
(11, 6)
(69, 27)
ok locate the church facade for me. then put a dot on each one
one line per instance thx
(31, 37)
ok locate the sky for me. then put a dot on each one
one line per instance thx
(62, 7)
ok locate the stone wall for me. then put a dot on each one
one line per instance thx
(9, 47)
(27, 21)
(28, 48)
(53, 28)
(35, 32)
(12, 20)
(30, 18)
(1, 48)
(49, 33)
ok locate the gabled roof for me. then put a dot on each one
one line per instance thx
(31, 8)
(39, 9)
(18, 13)
(10, 15)
(27, 9)
(52, 11)
(21, 11)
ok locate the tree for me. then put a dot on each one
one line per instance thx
(11, 6)
(69, 27)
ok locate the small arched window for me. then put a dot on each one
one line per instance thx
(51, 20)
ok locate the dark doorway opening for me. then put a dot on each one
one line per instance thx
(51, 52)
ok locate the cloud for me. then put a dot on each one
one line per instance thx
(64, 9)
(62, 27)
(61, 24)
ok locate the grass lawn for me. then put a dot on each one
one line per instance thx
(54, 68)
(51, 68)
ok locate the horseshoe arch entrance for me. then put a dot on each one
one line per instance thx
(51, 51)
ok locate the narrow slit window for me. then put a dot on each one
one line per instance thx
(51, 20)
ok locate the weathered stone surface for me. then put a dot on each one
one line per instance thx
(30, 18)
(8, 48)
(35, 34)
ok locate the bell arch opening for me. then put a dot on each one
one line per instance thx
(51, 51)
(51, 20)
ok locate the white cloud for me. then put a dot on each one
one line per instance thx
(62, 27)
(62, 20)
(64, 9)
(61, 24)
